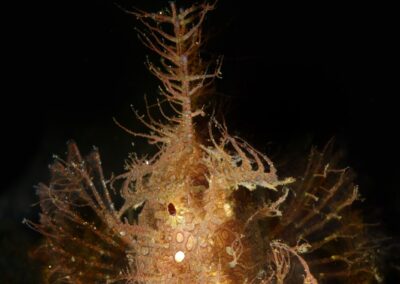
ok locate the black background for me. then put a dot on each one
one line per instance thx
(293, 76)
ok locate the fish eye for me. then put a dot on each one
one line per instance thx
(171, 209)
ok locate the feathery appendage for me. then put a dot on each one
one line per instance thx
(203, 209)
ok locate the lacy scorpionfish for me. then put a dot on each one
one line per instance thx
(207, 208)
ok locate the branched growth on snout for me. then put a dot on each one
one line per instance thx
(203, 209)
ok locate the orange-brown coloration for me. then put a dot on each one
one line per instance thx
(203, 209)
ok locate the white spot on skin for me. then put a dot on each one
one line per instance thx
(179, 256)
(228, 210)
